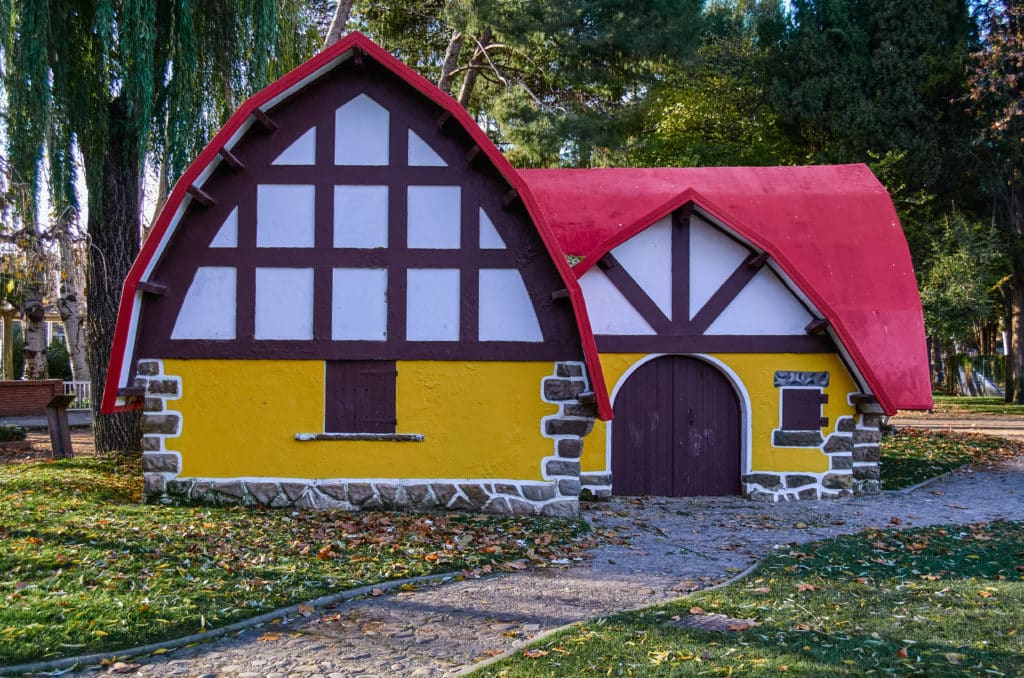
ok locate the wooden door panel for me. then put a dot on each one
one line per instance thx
(676, 431)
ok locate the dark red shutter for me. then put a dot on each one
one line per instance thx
(801, 409)
(359, 396)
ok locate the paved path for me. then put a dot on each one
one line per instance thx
(656, 550)
(1003, 425)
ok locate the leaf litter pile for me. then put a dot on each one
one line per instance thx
(912, 456)
(940, 601)
(84, 567)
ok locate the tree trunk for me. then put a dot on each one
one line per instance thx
(337, 29)
(33, 314)
(451, 61)
(113, 176)
(475, 64)
(71, 311)
(1015, 351)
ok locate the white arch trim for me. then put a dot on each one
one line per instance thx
(746, 422)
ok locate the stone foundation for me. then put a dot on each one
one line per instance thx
(853, 452)
(557, 495)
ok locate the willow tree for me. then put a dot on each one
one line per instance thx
(115, 82)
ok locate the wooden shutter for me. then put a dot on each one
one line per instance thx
(359, 396)
(801, 409)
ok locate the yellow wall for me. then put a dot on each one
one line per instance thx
(756, 371)
(479, 419)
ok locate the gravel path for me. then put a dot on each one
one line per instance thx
(655, 550)
(1003, 425)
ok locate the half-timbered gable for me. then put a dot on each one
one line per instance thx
(355, 223)
(686, 285)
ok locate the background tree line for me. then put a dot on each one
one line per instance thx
(928, 92)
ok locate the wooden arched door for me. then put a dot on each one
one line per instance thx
(676, 431)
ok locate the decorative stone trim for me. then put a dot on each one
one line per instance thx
(791, 378)
(159, 465)
(853, 462)
(506, 497)
(557, 495)
(569, 388)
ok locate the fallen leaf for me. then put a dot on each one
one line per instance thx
(861, 580)
(269, 636)
(534, 654)
(902, 654)
(686, 586)
(121, 667)
(803, 627)
(895, 521)
(325, 553)
(763, 589)
(806, 587)
(953, 657)
(377, 592)
(305, 610)
(740, 626)
(696, 610)
(985, 594)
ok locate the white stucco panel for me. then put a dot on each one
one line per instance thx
(421, 154)
(284, 303)
(361, 216)
(361, 133)
(359, 310)
(302, 151)
(210, 305)
(647, 257)
(506, 311)
(714, 256)
(227, 234)
(285, 215)
(490, 239)
(610, 312)
(764, 306)
(432, 304)
(435, 217)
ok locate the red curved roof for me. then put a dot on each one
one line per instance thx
(832, 229)
(127, 317)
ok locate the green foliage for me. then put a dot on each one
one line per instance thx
(959, 280)
(10, 432)
(18, 347)
(564, 81)
(936, 601)
(58, 361)
(87, 568)
(714, 109)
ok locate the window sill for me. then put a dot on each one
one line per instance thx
(386, 437)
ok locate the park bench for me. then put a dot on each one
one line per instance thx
(40, 397)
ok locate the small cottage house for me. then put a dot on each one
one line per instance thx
(351, 299)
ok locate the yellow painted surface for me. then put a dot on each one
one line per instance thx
(757, 372)
(479, 419)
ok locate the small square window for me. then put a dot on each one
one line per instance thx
(359, 396)
(285, 215)
(801, 409)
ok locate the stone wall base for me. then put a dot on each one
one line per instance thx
(352, 495)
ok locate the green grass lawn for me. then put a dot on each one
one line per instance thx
(912, 456)
(930, 602)
(84, 567)
(962, 404)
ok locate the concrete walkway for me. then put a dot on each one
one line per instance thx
(654, 550)
(1003, 425)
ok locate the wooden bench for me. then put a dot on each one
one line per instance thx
(40, 397)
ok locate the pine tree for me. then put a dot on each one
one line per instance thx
(119, 80)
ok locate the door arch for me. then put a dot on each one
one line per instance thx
(677, 431)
